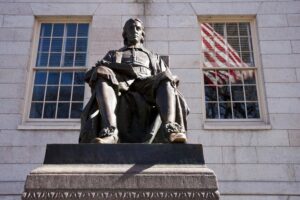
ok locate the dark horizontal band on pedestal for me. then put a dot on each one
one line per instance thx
(123, 195)
(124, 154)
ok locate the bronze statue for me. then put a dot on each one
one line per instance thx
(134, 96)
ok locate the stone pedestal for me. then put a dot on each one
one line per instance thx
(122, 171)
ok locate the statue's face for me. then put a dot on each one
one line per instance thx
(134, 31)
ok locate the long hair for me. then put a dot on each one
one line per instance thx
(131, 20)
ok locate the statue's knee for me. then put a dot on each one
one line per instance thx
(104, 82)
(167, 85)
(101, 79)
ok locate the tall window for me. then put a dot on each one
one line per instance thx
(230, 71)
(58, 87)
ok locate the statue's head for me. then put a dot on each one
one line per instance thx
(133, 32)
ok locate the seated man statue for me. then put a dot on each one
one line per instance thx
(128, 82)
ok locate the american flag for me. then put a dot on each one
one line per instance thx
(219, 53)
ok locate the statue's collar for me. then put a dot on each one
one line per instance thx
(137, 46)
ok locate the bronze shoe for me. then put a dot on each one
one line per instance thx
(176, 133)
(177, 138)
(107, 135)
(112, 139)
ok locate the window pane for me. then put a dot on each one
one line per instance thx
(56, 45)
(81, 44)
(252, 110)
(40, 77)
(44, 44)
(251, 94)
(239, 110)
(49, 110)
(210, 93)
(237, 77)
(36, 110)
(235, 43)
(221, 59)
(69, 57)
(53, 78)
(78, 93)
(248, 58)
(79, 78)
(51, 94)
(63, 110)
(58, 30)
(225, 110)
(46, 30)
(224, 93)
(66, 78)
(209, 77)
(244, 29)
(71, 30)
(76, 110)
(223, 77)
(210, 59)
(65, 93)
(212, 111)
(55, 59)
(83, 30)
(80, 59)
(237, 93)
(38, 93)
(249, 76)
(70, 45)
(42, 59)
(245, 44)
(219, 28)
(232, 29)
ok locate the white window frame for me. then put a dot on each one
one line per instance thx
(50, 124)
(237, 124)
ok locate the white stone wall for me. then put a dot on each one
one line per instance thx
(250, 164)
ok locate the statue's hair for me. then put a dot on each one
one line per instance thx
(124, 30)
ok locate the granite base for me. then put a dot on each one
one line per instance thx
(121, 180)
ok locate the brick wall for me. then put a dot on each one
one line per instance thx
(250, 164)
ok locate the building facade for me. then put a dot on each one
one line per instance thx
(238, 62)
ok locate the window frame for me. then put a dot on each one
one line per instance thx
(51, 123)
(237, 124)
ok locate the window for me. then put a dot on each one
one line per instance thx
(230, 71)
(57, 91)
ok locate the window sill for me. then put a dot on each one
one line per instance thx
(236, 126)
(50, 126)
